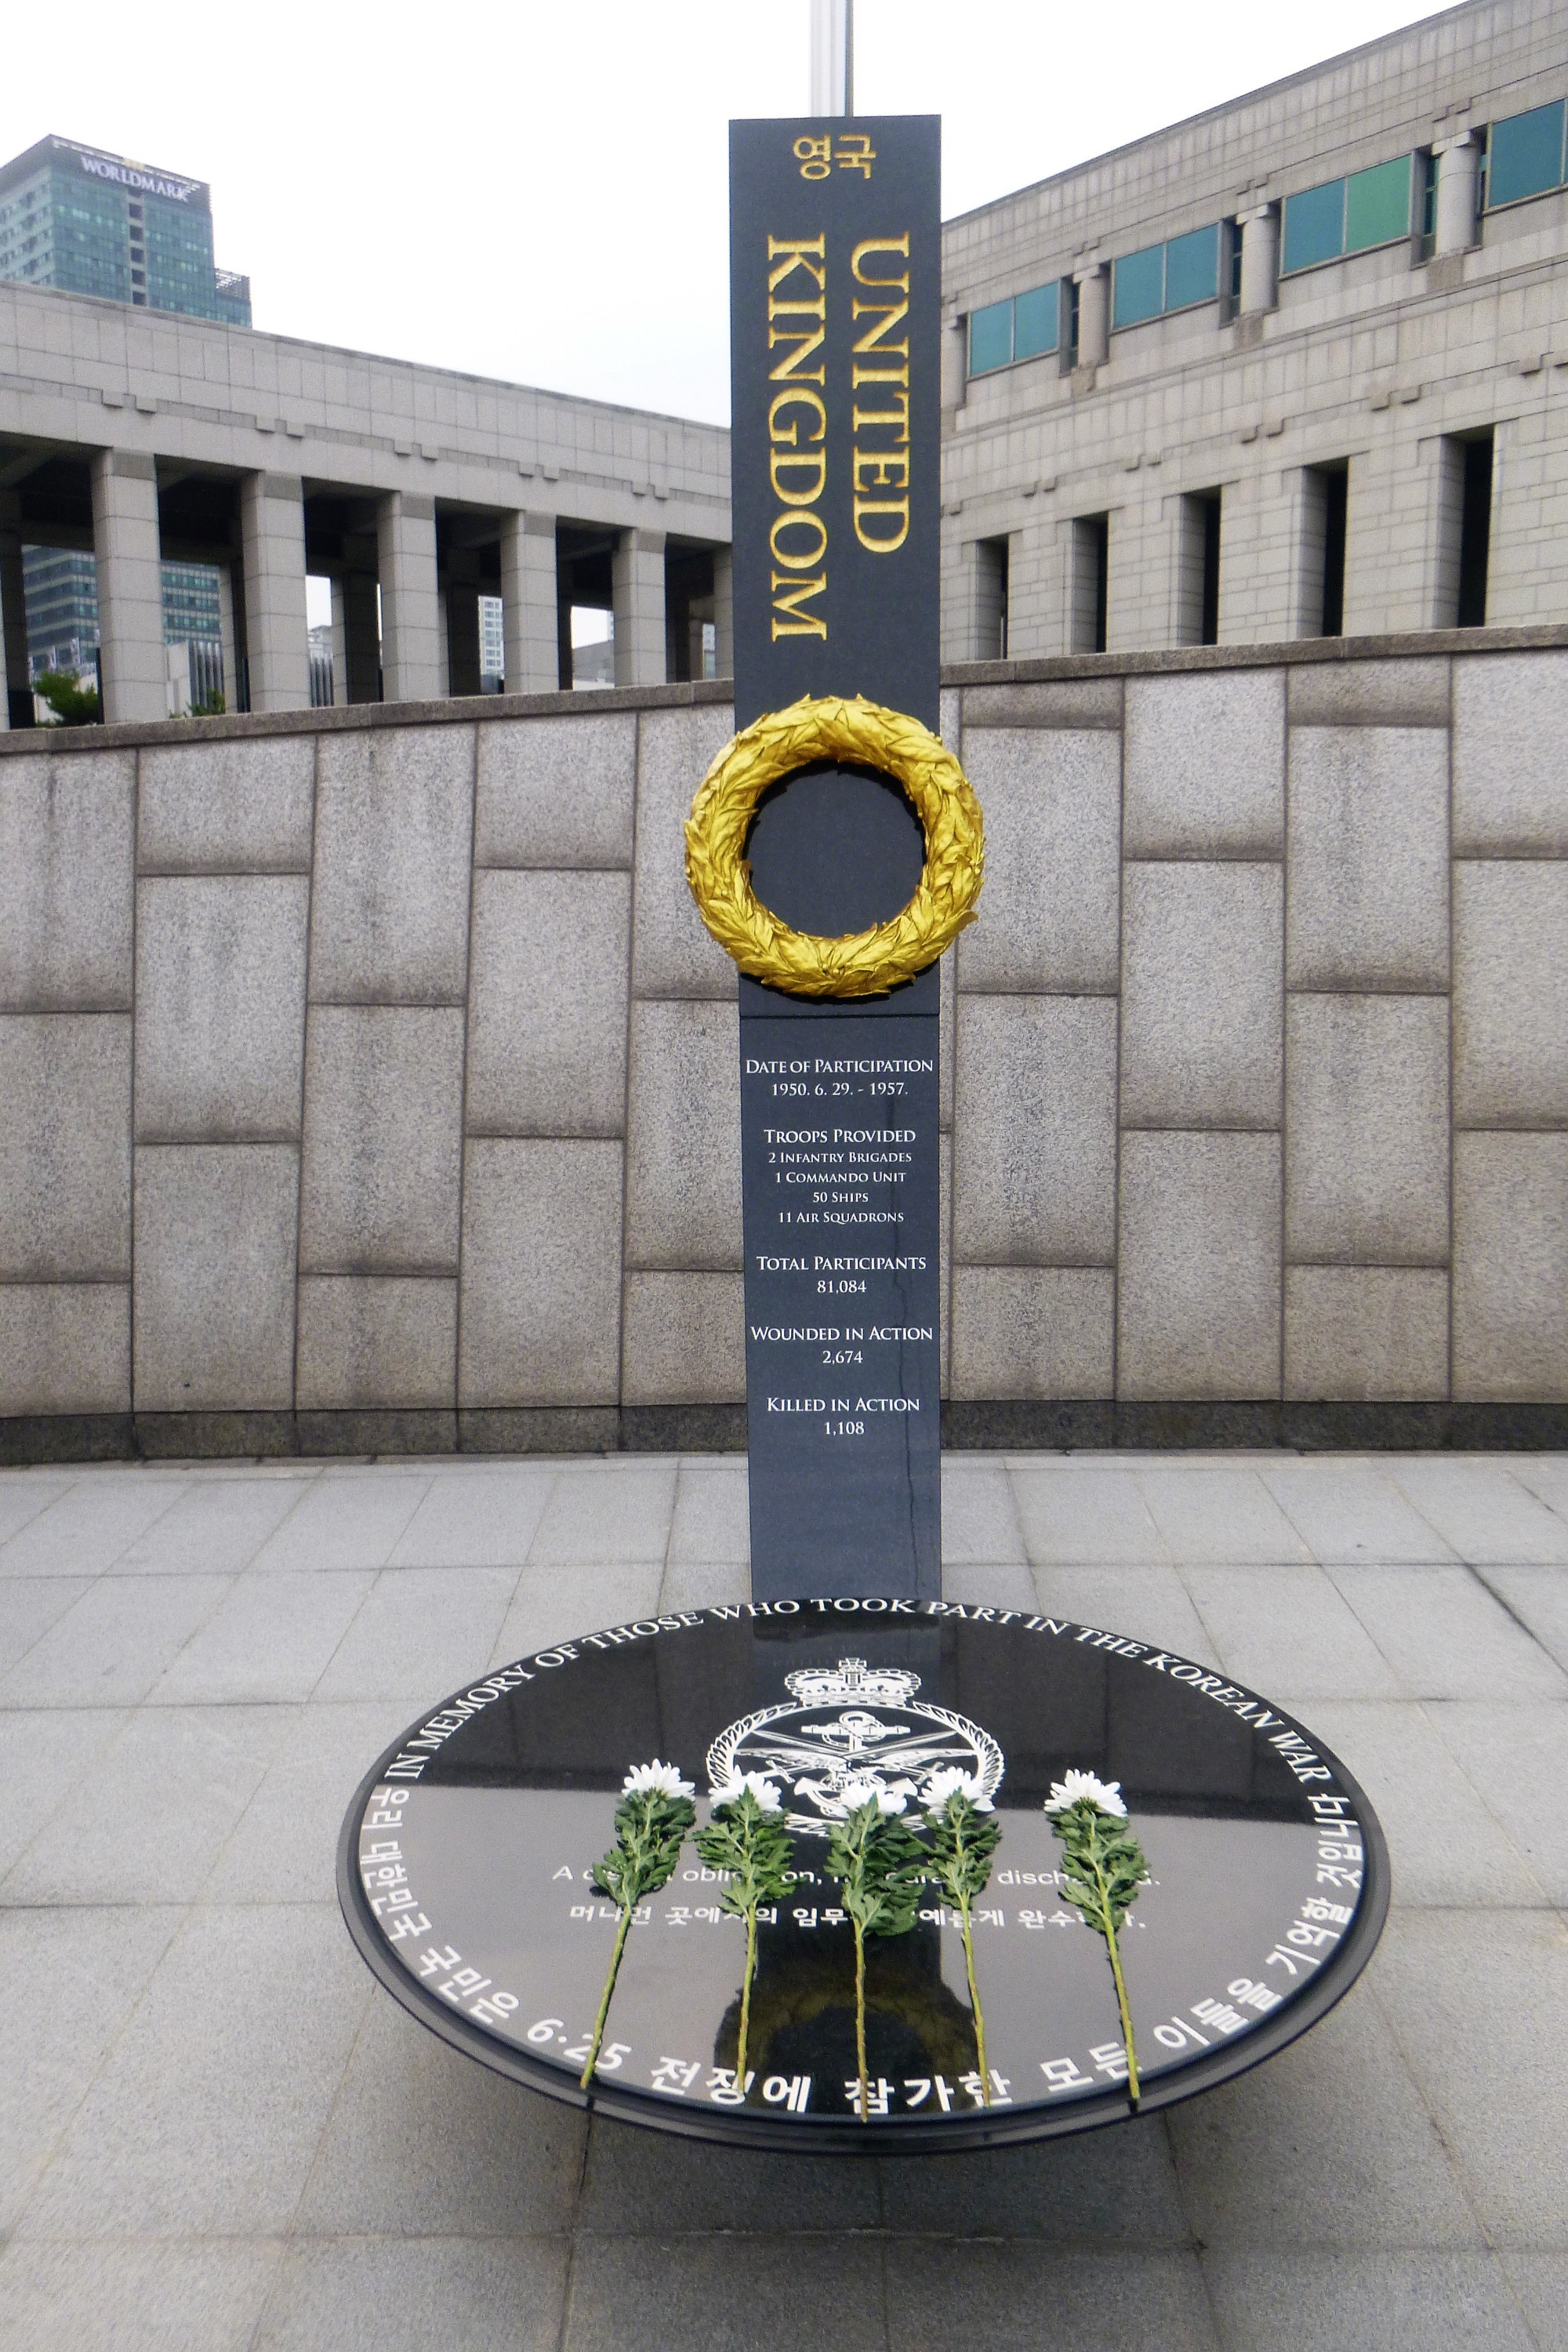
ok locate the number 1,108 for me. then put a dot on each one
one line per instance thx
(844, 1429)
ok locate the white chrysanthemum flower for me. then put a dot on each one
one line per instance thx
(950, 1782)
(1075, 1787)
(656, 1780)
(856, 1793)
(730, 1789)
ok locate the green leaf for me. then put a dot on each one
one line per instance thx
(753, 1848)
(880, 1864)
(962, 1842)
(651, 1827)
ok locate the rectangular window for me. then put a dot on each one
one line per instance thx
(1474, 532)
(991, 599)
(1088, 599)
(1022, 328)
(1198, 582)
(1191, 267)
(1377, 205)
(1170, 276)
(1350, 215)
(1138, 286)
(1464, 492)
(1324, 504)
(991, 338)
(1036, 321)
(1314, 226)
(1336, 513)
(1524, 155)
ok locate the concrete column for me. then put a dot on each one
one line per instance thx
(463, 673)
(637, 586)
(1093, 285)
(723, 612)
(362, 637)
(529, 623)
(1037, 584)
(340, 643)
(14, 634)
(1459, 167)
(969, 603)
(410, 614)
(130, 584)
(227, 638)
(1260, 259)
(955, 360)
(276, 628)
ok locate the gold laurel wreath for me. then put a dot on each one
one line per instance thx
(861, 963)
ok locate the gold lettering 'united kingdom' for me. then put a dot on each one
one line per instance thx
(798, 432)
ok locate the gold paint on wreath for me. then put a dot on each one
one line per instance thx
(861, 963)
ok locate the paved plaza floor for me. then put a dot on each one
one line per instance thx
(215, 2131)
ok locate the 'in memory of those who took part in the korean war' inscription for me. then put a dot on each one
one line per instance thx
(835, 325)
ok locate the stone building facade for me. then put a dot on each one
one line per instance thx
(1292, 368)
(143, 437)
(1298, 364)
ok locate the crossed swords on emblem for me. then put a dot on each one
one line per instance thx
(857, 1745)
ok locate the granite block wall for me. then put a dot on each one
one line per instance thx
(370, 1083)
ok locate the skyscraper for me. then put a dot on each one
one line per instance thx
(91, 223)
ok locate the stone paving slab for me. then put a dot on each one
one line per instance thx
(216, 2132)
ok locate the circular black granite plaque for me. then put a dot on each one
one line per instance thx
(463, 1872)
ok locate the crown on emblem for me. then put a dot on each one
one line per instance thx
(851, 1678)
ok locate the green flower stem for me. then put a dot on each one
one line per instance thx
(880, 1864)
(623, 1924)
(746, 1996)
(1112, 1946)
(964, 1839)
(748, 1844)
(651, 1819)
(861, 2021)
(1103, 1869)
(975, 2004)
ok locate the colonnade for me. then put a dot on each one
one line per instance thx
(405, 624)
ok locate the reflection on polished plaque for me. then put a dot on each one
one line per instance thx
(466, 1858)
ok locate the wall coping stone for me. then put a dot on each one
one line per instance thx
(1092, 1425)
(466, 709)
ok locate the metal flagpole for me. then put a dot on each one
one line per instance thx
(832, 56)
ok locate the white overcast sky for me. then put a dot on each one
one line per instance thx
(537, 192)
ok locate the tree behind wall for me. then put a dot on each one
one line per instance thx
(73, 704)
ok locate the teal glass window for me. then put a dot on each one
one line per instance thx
(1022, 328)
(1191, 267)
(1138, 286)
(989, 338)
(1314, 226)
(1524, 155)
(1162, 278)
(1035, 322)
(1377, 205)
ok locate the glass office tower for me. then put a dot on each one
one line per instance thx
(90, 223)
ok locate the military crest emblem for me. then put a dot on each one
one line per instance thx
(852, 1725)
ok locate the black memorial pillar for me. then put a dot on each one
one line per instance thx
(835, 324)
